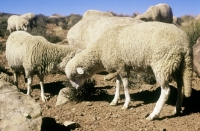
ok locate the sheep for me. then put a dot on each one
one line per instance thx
(35, 55)
(152, 47)
(31, 18)
(94, 23)
(160, 12)
(16, 22)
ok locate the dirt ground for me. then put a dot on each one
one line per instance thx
(95, 114)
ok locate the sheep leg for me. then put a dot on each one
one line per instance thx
(165, 91)
(29, 83)
(117, 93)
(44, 98)
(179, 101)
(126, 92)
(15, 79)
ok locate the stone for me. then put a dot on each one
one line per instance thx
(18, 111)
(62, 98)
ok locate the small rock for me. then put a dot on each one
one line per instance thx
(62, 99)
(89, 103)
(71, 124)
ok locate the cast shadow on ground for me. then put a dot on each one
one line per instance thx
(52, 88)
(191, 104)
(49, 124)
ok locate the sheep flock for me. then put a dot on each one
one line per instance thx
(149, 43)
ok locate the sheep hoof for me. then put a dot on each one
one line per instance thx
(113, 103)
(150, 117)
(176, 112)
(44, 98)
(124, 108)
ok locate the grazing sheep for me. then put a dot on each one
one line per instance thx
(93, 25)
(89, 29)
(153, 47)
(31, 18)
(16, 22)
(35, 55)
(159, 12)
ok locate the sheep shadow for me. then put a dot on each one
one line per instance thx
(191, 104)
(49, 124)
(104, 96)
(52, 88)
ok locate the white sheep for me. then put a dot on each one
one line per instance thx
(16, 22)
(35, 55)
(159, 12)
(94, 23)
(153, 47)
(31, 18)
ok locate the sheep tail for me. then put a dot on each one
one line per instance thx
(187, 73)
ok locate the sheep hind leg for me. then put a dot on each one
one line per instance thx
(179, 101)
(44, 98)
(29, 83)
(165, 91)
(126, 92)
(117, 93)
(15, 79)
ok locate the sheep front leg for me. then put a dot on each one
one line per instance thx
(165, 91)
(117, 93)
(44, 98)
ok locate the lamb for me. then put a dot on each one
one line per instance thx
(35, 55)
(160, 12)
(94, 23)
(153, 47)
(16, 22)
(31, 18)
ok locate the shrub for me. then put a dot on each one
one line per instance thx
(83, 93)
(192, 28)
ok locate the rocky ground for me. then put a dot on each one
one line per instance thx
(96, 114)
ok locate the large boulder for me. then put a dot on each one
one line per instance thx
(18, 112)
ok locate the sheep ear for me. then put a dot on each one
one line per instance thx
(80, 70)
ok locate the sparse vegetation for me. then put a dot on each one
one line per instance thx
(83, 93)
(192, 28)
(65, 22)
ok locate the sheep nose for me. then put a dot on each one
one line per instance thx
(74, 84)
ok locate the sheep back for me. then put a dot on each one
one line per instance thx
(89, 30)
(35, 53)
(28, 16)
